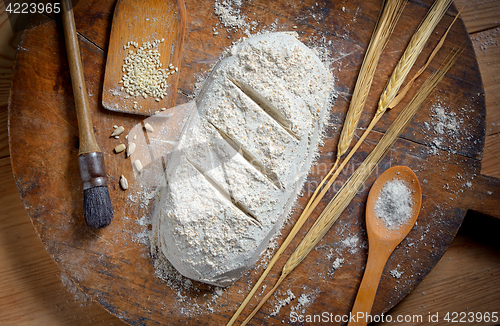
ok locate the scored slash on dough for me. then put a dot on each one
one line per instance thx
(265, 105)
(227, 195)
(270, 175)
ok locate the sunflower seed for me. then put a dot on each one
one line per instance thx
(118, 131)
(148, 127)
(130, 149)
(138, 165)
(123, 182)
(120, 148)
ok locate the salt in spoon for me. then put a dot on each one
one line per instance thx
(382, 240)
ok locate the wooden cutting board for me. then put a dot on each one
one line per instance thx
(113, 265)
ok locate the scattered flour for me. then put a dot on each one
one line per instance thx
(282, 302)
(303, 301)
(445, 122)
(337, 263)
(486, 40)
(351, 243)
(396, 274)
(445, 129)
(230, 16)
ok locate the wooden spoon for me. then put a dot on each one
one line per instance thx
(141, 21)
(382, 240)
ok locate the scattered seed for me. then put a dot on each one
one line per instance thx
(138, 165)
(216, 33)
(163, 109)
(120, 148)
(123, 182)
(130, 149)
(118, 131)
(135, 137)
(148, 127)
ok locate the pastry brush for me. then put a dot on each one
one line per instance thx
(98, 210)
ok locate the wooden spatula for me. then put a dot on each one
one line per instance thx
(136, 22)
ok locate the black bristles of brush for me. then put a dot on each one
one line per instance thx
(97, 205)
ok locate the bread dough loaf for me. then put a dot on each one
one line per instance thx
(242, 158)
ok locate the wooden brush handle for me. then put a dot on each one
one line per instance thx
(87, 139)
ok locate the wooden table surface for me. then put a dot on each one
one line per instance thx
(35, 292)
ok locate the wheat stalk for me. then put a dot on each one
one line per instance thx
(387, 20)
(392, 10)
(345, 195)
(411, 53)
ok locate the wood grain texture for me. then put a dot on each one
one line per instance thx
(34, 290)
(465, 280)
(453, 285)
(488, 58)
(480, 15)
(4, 137)
(486, 45)
(491, 162)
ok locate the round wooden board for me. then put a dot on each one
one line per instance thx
(113, 265)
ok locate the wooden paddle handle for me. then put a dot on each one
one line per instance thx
(378, 254)
(485, 197)
(88, 142)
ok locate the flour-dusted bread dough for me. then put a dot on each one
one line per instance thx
(242, 158)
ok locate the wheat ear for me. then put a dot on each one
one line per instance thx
(345, 195)
(377, 117)
(316, 199)
(402, 93)
(391, 12)
(411, 53)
